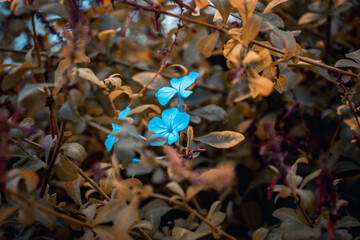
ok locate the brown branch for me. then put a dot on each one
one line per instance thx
(45, 209)
(51, 163)
(89, 180)
(194, 212)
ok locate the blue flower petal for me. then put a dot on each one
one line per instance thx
(110, 141)
(157, 125)
(168, 116)
(123, 114)
(136, 160)
(165, 94)
(181, 84)
(181, 121)
(185, 93)
(173, 136)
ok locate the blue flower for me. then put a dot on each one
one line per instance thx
(178, 85)
(111, 140)
(136, 160)
(169, 126)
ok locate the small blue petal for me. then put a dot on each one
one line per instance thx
(157, 125)
(123, 114)
(173, 136)
(185, 93)
(168, 116)
(181, 121)
(165, 94)
(110, 141)
(184, 82)
(136, 160)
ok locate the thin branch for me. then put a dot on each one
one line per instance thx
(89, 180)
(45, 209)
(51, 163)
(194, 212)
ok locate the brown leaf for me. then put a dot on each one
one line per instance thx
(245, 8)
(224, 7)
(251, 29)
(207, 44)
(273, 4)
(259, 85)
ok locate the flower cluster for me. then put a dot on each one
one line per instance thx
(172, 120)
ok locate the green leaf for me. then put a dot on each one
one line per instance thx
(225, 139)
(207, 44)
(210, 112)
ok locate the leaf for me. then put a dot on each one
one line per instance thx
(73, 190)
(12, 77)
(354, 56)
(259, 85)
(106, 36)
(251, 29)
(346, 222)
(289, 213)
(54, 9)
(310, 177)
(309, 17)
(144, 107)
(31, 88)
(210, 112)
(144, 78)
(46, 219)
(347, 63)
(87, 74)
(65, 170)
(273, 4)
(260, 234)
(109, 212)
(143, 224)
(224, 139)
(125, 218)
(106, 184)
(207, 44)
(245, 8)
(292, 230)
(31, 179)
(7, 212)
(192, 191)
(75, 151)
(288, 41)
(214, 207)
(201, 3)
(175, 187)
(224, 7)
(281, 84)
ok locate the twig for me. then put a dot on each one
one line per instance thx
(32, 143)
(45, 209)
(89, 180)
(163, 65)
(194, 212)
(42, 77)
(52, 160)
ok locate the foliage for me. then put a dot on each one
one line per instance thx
(260, 142)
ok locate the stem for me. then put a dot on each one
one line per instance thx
(32, 143)
(111, 103)
(194, 212)
(52, 160)
(45, 209)
(328, 30)
(42, 77)
(180, 103)
(89, 180)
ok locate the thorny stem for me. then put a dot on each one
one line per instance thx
(89, 180)
(194, 212)
(45, 209)
(51, 165)
(163, 65)
(187, 19)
